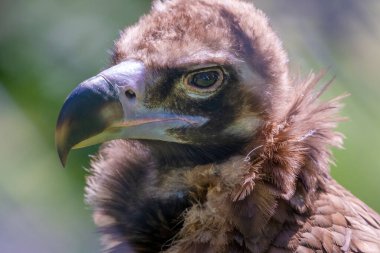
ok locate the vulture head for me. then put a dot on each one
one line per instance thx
(209, 145)
(194, 79)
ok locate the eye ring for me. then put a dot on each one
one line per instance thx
(205, 80)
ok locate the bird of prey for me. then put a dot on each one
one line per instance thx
(210, 144)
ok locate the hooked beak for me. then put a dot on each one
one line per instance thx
(111, 106)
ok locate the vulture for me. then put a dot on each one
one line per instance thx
(210, 144)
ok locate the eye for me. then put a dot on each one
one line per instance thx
(207, 79)
(204, 79)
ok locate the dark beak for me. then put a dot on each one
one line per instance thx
(111, 106)
(90, 109)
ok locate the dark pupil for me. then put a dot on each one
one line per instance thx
(205, 79)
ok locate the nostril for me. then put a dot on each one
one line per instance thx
(130, 94)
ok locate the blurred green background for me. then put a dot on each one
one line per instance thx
(48, 46)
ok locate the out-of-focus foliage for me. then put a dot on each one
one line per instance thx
(48, 46)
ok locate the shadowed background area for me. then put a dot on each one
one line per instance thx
(48, 47)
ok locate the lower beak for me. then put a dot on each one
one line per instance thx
(98, 111)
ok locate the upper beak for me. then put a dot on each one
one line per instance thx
(111, 106)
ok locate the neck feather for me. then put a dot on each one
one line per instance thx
(286, 167)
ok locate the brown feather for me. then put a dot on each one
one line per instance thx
(276, 195)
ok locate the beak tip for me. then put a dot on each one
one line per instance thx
(61, 144)
(63, 160)
(62, 156)
(89, 109)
